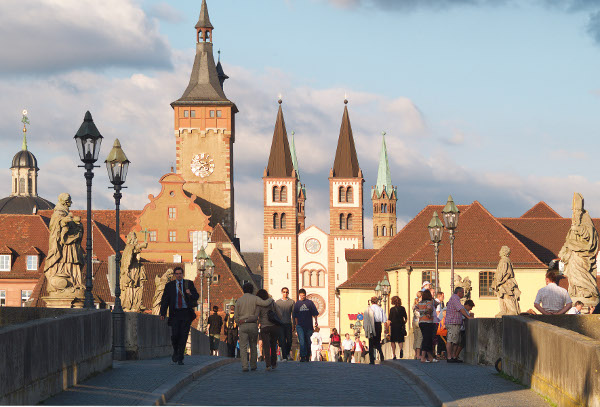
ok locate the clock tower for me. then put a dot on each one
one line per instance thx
(205, 132)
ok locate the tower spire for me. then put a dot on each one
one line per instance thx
(345, 164)
(384, 179)
(203, 26)
(25, 121)
(280, 159)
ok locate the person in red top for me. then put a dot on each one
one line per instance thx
(335, 341)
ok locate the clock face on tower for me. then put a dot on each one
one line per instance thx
(202, 165)
(312, 245)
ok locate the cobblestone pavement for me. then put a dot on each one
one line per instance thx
(294, 383)
(474, 386)
(129, 383)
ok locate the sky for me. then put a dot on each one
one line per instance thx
(494, 101)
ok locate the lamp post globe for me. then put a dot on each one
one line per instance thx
(450, 214)
(436, 229)
(378, 289)
(88, 140)
(386, 288)
(117, 165)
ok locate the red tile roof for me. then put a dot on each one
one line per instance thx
(18, 233)
(219, 235)
(359, 254)
(541, 210)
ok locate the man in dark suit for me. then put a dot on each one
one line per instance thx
(180, 298)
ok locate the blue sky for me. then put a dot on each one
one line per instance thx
(489, 101)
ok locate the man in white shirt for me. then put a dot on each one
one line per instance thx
(554, 300)
(576, 310)
(347, 348)
(379, 317)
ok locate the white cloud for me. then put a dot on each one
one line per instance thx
(40, 36)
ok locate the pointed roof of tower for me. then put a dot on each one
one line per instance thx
(280, 159)
(295, 162)
(345, 164)
(384, 179)
(204, 20)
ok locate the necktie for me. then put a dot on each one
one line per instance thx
(179, 298)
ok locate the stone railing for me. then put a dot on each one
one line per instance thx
(200, 344)
(559, 363)
(146, 336)
(484, 341)
(52, 351)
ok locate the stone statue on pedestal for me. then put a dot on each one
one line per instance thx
(160, 283)
(465, 284)
(132, 275)
(579, 255)
(505, 285)
(63, 267)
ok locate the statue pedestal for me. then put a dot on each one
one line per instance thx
(65, 299)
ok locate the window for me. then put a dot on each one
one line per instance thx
(186, 113)
(25, 295)
(152, 236)
(306, 278)
(219, 113)
(2, 298)
(212, 113)
(486, 283)
(283, 194)
(193, 113)
(321, 278)
(383, 231)
(275, 221)
(275, 193)
(342, 221)
(30, 185)
(376, 230)
(215, 278)
(384, 208)
(283, 221)
(342, 194)
(5, 262)
(172, 213)
(172, 235)
(349, 222)
(391, 230)
(375, 207)
(21, 185)
(32, 262)
(429, 275)
(349, 195)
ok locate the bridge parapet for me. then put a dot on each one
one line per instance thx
(53, 350)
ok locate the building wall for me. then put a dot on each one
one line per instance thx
(280, 264)
(317, 264)
(352, 302)
(13, 288)
(199, 136)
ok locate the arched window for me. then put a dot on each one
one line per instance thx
(306, 278)
(486, 282)
(391, 230)
(21, 185)
(342, 194)
(375, 207)
(275, 221)
(349, 195)
(30, 185)
(283, 194)
(384, 208)
(349, 222)
(283, 221)
(275, 193)
(383, 231)
(376, 230)
(321, 278)
(342, 221)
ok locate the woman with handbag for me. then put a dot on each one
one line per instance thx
(268, 318)
(397, 321)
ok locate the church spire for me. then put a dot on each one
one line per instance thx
(384, 179)
(220, 71)
(345, 164)
(25, 121)
(280, 159)
(203, 26)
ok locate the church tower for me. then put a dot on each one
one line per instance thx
(205, 132)
(281, 192)
(345, 210)
(384, 199)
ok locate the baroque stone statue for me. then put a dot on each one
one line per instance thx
(132, 275)
(465, 284)
(63, 267)
(505, 285)
(579, 255)
(160, 283)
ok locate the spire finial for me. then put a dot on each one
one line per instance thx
(25, 121)
(383, 133)
(345, 98)
(279, 99)
(219, 57)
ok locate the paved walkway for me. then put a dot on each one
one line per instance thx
(467, 385)
(314, 383)
(139, 382)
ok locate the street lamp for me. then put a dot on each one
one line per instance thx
(436, 228)
(201, 259)
(117, 165)
(450, 214)
(386, 288)
(378, 290)
(210, 267)
(88, 140)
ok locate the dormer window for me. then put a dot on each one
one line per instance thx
(5, 262)
(32, 262)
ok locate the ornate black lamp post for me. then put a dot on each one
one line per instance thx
(117, 165)
(450, 214)
(201, 259)
(210, 267)
(88, 140)
(436, 228)
(386, 288)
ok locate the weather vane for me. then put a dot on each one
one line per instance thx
(25, 121)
